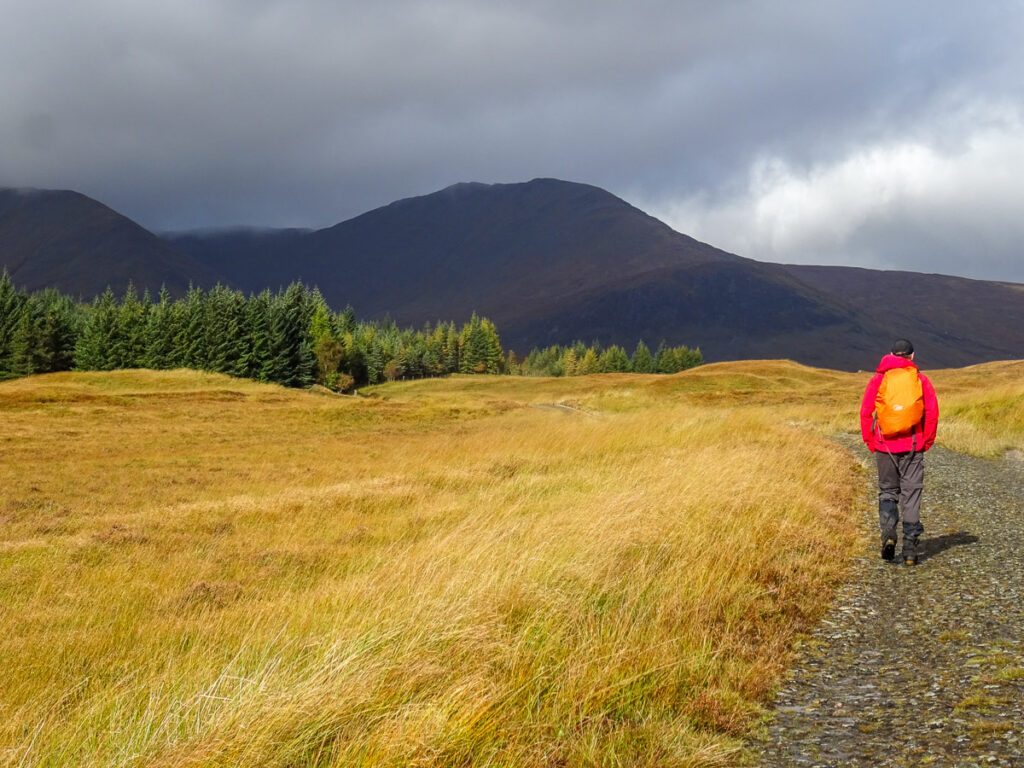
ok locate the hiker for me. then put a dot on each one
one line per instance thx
(898, 418)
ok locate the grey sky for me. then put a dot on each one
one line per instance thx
(866, 133)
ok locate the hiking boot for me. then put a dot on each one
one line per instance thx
(888, 519)
(889, 549)
(911, 542)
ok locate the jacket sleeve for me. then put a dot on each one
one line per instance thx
(867, 410)
(931, 412)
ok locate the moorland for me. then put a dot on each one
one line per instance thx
(476, 570)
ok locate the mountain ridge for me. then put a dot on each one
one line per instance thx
(550, 261)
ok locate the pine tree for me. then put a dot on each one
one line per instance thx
(494, 357)
(346, 321)
(643, 361)
(589, 364)
(227, 338)
(409, 358)
(25, 342)
(291, 361)
(689, 358)
(303, 360)
(258, 323)
(390, 343)
(44, 337)
(237, 363)
(434, 354)
(614, 360)
(191, 338)
(11, 303)
(664, 359)
(531, 365)
(130, 343)
(95, 349)
(480, 347)
(375, 360)
(57, 328)
(160, 334)
(467, 351)
(550, 362)
(451, 350)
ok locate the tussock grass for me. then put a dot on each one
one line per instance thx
(201, 571)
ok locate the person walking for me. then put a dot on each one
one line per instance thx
(898, 419)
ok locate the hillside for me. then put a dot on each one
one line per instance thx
(69, 241)
(549, 261)
(552, 261)
(957, 320)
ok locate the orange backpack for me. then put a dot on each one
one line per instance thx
(899, 405)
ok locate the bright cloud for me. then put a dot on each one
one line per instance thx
(903, 204)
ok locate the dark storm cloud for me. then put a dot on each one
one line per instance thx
(805, 131)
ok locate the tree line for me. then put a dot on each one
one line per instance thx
(291, 337)
(579, 360)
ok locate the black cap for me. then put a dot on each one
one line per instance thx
(902, 347)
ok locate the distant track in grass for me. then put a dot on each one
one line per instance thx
(563, 408)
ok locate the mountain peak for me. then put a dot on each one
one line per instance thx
(465, 186)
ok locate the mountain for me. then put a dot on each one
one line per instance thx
(552, 261)
(69, 241)
(548, 261)
(465, 240)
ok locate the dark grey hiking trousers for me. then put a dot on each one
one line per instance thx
(900, 480)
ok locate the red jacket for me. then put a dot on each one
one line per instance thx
(921, 437)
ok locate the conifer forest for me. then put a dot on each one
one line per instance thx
(291, 337)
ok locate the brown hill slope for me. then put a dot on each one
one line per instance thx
(970, 320)
(72, 242)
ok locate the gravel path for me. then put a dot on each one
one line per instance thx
(919, 666)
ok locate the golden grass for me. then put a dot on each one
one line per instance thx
(982, 408)
(202, 571)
